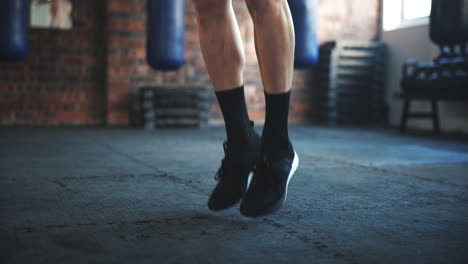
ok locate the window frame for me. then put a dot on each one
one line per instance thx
(403, 23)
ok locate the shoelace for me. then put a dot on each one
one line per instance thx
(224, 163)
(260, 170)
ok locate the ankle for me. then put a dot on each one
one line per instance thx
(277, 147)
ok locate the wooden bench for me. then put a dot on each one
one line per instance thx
(433, 98)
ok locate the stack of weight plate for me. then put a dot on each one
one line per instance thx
(351, 82)
(180, 106)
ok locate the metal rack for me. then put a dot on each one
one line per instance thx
(168, 106)
(351, 82)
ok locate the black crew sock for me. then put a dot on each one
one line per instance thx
(275, 132)
(236, 118)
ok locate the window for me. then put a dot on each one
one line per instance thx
(51, 14)
(405, 13)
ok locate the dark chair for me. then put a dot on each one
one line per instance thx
(446, 78)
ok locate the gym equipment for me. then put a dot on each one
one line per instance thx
(446, 78)
(14, 22)
(175, 106)
(350, 78)
(304, 15)
(448, 22)
(165, 34)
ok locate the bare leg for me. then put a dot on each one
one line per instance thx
(274, 43)
(223, 53)
(221, 43)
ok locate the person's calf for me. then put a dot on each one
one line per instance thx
(260, 8)
(209, 10)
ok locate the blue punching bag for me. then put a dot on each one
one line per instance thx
(165, 34)
(304, 15)
(14, 23)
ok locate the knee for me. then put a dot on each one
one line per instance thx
(210, 8)
(263, 6)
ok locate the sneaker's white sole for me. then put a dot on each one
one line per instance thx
(249, 179)
(294, 166)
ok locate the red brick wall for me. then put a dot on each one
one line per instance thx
(61, 82)
(127, 70)
(352, 19)
(91, 74)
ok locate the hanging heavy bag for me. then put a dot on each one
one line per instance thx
(14, 22)
(447, 22)
(304, 15)
(165, 34)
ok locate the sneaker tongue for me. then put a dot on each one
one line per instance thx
(234, 149)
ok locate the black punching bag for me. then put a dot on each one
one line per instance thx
(14, 23)
(165, 34)
(304, 15)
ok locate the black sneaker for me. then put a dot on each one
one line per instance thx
(269, 187)
(235, 173)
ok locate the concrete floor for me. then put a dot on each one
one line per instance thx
(133, 196)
